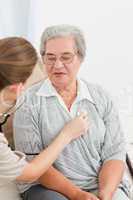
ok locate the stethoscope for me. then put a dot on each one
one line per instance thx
(3, 120)
(4, 117)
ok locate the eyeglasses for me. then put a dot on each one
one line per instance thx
(65, 58)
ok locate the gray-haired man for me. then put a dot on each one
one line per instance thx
(94, 163)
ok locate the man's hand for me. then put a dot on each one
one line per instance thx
(82, 195)
(104, 195)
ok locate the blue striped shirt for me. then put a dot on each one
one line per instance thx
(44, 114)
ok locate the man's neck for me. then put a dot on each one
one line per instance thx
(68, 94)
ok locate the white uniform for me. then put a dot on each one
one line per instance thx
(11, 166)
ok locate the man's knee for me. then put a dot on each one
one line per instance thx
(52, 195)
(39, 192)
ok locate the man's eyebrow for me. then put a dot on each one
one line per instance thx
(52, 54)
(67, 52)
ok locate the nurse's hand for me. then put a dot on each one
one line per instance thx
(77, 126)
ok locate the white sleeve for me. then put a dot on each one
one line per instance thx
(11, 162)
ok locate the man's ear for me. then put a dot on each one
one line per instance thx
(17, 87)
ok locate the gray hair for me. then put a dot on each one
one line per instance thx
(63, 31)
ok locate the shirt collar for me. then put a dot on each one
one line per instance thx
(83, 92)
(47, 90)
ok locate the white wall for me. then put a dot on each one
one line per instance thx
(108, 28)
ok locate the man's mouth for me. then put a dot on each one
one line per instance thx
(59, 73)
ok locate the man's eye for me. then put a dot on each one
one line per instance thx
(51, 58)
(66, 57)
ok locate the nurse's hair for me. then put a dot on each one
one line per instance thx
(17, 60)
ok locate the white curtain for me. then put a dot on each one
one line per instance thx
(22, 18)
(6, 19)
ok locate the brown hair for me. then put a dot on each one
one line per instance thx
(17, 59)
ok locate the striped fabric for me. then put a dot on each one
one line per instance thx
(44, 114)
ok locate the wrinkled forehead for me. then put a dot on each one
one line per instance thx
(60, 45)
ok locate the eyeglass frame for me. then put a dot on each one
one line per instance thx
(58, 57)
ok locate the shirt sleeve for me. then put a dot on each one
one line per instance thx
(114, 146)
(11, 163)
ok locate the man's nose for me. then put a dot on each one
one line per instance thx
(58, 63)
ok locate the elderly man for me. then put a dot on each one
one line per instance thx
(92, 166)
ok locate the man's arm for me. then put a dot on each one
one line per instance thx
(56, 181)
(113, 153)
(109, 178)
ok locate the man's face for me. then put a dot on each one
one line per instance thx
(62, 61)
